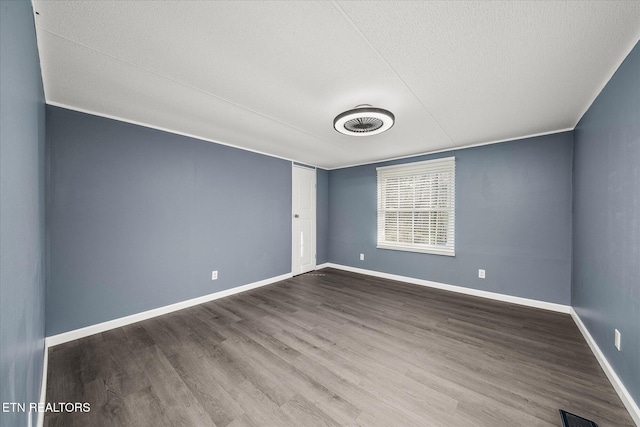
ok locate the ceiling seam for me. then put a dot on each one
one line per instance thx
(191, 87)
(366, 39)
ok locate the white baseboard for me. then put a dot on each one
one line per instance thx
(127, 320)
(619, 387)
(459, 289)
(43, 384)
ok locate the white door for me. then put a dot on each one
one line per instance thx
(304, 220)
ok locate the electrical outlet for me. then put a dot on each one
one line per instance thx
(214, 275)
(481, 274)
(618, 337)
(361, 257)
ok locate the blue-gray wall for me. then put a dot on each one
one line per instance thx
(513, 219)
(138, 218)
(322, 216)
(22, 283)
(606, 225)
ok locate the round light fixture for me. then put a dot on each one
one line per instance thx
(363, 120)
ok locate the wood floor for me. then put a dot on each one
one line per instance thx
(332, 348)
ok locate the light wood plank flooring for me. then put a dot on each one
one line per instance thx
(332, 348)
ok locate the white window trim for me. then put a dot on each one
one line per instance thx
(446, 164)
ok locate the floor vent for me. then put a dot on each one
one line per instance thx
(572, 420)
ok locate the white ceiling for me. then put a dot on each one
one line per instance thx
(271, 76)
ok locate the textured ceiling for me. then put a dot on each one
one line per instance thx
(271, 76)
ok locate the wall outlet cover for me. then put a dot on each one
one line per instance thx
(214, 275)
(481, 274)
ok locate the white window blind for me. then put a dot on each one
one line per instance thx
(416, 207)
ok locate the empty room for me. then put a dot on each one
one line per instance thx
(319, 213)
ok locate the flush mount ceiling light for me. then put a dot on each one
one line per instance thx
(363, 120)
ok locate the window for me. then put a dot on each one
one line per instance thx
(416, 207)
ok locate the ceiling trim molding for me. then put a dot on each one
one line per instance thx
(463, 147)
(188, 135)
(598, 90)
(175, 132)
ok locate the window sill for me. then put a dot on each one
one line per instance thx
(428, 250)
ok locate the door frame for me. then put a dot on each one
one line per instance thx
(293, 219)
